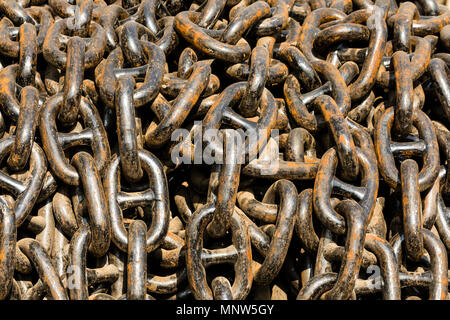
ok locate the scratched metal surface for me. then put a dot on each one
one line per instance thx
(224, 149)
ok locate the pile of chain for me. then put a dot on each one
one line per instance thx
(96, 98)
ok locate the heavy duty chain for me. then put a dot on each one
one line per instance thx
(224, 149)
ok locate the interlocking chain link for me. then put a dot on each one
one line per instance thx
(224, 149)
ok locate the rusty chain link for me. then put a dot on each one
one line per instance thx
(224, 149)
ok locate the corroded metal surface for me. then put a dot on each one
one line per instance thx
(224, 149)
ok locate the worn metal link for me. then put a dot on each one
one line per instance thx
(224, 149)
